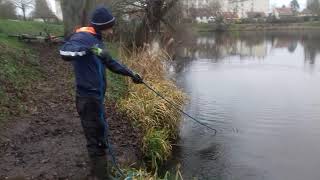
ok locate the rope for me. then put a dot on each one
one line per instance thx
(111, 152)
(116, 165)
(177, 108)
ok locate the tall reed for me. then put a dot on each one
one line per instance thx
(156, 117)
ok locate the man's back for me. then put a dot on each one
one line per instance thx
(89, 69)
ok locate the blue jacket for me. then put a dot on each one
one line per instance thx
(90, 69)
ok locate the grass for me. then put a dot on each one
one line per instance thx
(134, 174)
(19, 65)
(157, 146)
(116, 84)
(156, 117)
(18, 68)
(202, 27)
(158, 121)
(28, 27)
(313, 23)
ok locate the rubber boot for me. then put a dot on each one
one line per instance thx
(99, 168)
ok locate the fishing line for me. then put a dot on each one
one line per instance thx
(177, 108)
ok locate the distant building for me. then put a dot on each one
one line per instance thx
(240, 7)
(306, 12)
(198, 4)
(281, 13)
(230, 16)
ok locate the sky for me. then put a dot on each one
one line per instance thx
(279, 3)
(52, 4)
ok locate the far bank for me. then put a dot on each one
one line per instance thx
(211, 27)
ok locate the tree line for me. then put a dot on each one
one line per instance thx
(13, 9)
(141, 20)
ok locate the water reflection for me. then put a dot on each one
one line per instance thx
(248, 45)
(260, 90)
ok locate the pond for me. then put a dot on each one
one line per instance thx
(261, 91)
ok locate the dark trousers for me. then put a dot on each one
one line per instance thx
(91, 111)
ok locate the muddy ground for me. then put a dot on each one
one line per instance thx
(48, 141)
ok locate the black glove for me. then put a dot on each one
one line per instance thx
(137, 79)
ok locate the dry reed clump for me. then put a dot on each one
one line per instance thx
(143, 105)
(150, 111)
(158, 119)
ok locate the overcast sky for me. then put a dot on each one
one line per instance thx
(272, 3)
(287, 2)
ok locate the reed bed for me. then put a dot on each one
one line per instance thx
(156, 117)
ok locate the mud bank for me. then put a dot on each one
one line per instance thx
(47, 142)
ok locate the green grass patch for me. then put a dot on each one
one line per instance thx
(19, 67)
(140, 174)
(28, 27)
(201, 27)
(157, 146)
(313, 23)
(116, 84)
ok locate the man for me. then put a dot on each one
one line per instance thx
(86, 50)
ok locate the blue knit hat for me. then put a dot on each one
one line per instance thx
(102, 19)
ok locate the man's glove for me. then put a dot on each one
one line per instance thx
(137, 79)
(103, 53)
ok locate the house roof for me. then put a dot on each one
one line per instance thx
(284, 11)
(306, 11)
(230, 15)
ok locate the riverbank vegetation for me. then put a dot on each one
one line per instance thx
(155, 119)
(211, 27)
(158, 120)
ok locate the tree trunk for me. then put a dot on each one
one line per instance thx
(24, 14)
(155, 12)
(76, 13)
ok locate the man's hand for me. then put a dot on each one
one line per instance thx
(137, 79)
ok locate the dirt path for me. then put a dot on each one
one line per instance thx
(48, 142)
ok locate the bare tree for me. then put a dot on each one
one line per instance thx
(23, 5)
(7, 10)
(214, 8)
(43, 11)
(76, 13)
(314, 7)
(152, 13)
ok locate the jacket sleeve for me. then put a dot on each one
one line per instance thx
(114, 66)
(70, 50)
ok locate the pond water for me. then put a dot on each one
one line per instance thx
(261, 91)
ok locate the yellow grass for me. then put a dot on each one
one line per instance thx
(157, 118)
